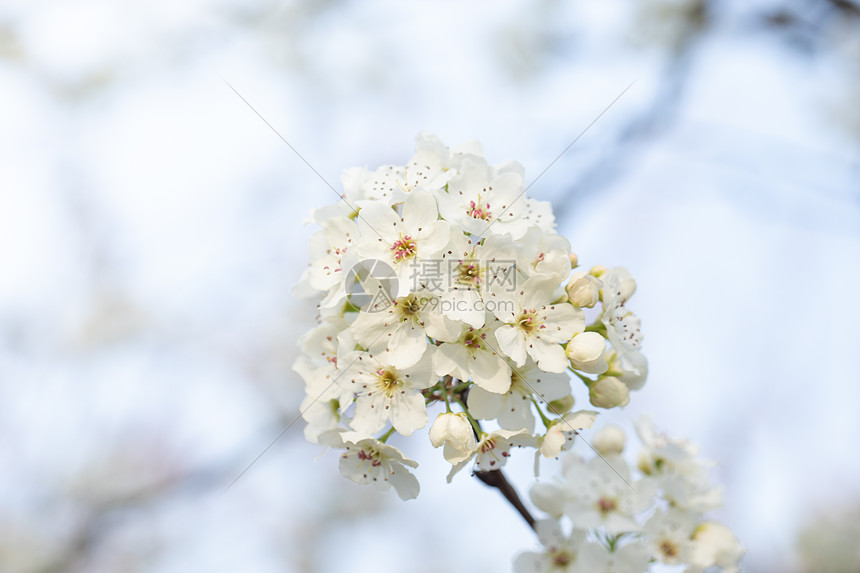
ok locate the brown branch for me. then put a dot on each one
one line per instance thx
(496, 479)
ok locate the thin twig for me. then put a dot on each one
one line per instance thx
(497, 479)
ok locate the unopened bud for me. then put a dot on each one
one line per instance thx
(562, 405)
(455, 432)
(597, 270)
(583, 290)
(587, 352)
(574, 261)
(609, 440)
(609, 392)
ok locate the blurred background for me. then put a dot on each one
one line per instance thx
(151, 226)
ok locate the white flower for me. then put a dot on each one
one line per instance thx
(587, 352)
(601, 493)
(513, 408)
(465, 278)
(620, 284)
(534, 327)
(382, 185)
(468, 270)
(631, 367)
(401, 240)
(456, 433)
(677, 470)
(562, 554)
(608, 392)
(320, 350)
(559, 436)
(545, 253)
(327, 248)
(371, 461)
(583, 290)
(431, 166)
(493, 450)
(318, 367)
(478, 200)
(322, 417)
(473, 357)
(401, 328)
(714, 544)
(609, 440)
(623, 328)
(384, 393)
(538, 214)
(668, 535)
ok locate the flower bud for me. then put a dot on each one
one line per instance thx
(597, 270)
(583, 290)
(562, 405)
(574, 261)
(587, 352)
(455, 431)
(609, 392)
(609, 440)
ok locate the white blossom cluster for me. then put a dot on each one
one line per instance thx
(622, 525)
(441, 284)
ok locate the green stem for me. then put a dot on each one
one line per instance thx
(387, 435)
(475, 425)
(546, 421)
(588, 381)
(597, 327)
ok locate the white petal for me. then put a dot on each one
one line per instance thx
(548, 497)
(355, 469)
(549, 533)
(433, 238)
(405, 484)
(452, 358)
(464, 304)
(484, 405)
(512, 342)
(516, 413)
(490, 372)
(406, 345)
(549, 357)
(378, 220)
(421, 375)
(563, 321)
(455, 468)
(419, 210)
(440, 327)
(370, 414)
(538, 291)
(370, 329)
(408, 412)
(531, 562)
